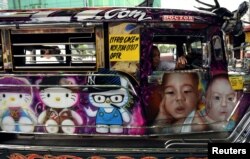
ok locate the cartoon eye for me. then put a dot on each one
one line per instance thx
(99, 98)
(48, 95)
(20, 96)
(67, 95)
(4, 95)
(116, 98)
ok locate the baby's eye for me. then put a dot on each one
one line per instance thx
(21, 96)
(230, 99)
(217, 98)
(169, 92)
(188, 91)
(4, 95)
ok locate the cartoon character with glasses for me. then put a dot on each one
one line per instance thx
(111, 103)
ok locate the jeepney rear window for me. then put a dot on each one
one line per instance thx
(57, 50)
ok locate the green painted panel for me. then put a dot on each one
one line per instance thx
(29, 4)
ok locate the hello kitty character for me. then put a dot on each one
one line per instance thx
(111, 113)
(16, 96)
(58, 117)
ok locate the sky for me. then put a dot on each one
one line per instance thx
(188, 4)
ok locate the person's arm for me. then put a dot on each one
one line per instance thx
(181, 62)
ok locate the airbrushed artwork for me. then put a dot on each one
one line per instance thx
(16, 99)
(193, 104)
(121, 78)
(59, 114)
(111, 104)
(70, 105)
(106, 102)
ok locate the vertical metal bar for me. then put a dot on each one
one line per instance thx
(7, 59)
(106, 46)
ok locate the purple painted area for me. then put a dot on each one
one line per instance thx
(78, 86)
(243, 105)
(137, 122)
(16, 104)
(21, 83)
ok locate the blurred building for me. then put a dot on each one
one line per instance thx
(34, 4)
(3, 4)
(31, 4)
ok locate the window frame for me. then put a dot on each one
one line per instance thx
(46, 37)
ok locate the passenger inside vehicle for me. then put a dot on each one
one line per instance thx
(171, 52)
(162, 65)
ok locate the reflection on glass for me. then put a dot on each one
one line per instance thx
(217, 48)
(206, 54)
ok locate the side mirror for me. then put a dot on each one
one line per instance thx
(228, 26)
(234, 24)
(238, 29)
(242, 9)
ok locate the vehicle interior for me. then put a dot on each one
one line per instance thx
(172, 47)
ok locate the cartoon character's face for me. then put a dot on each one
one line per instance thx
(109, 99)
(58, 97)
(11, 99)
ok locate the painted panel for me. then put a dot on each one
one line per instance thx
(87, 104)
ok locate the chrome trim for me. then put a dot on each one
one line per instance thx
(35, 44)
(52, 67)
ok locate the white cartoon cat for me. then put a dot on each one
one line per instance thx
(58, 117)
(15, 100)
(111, 113)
